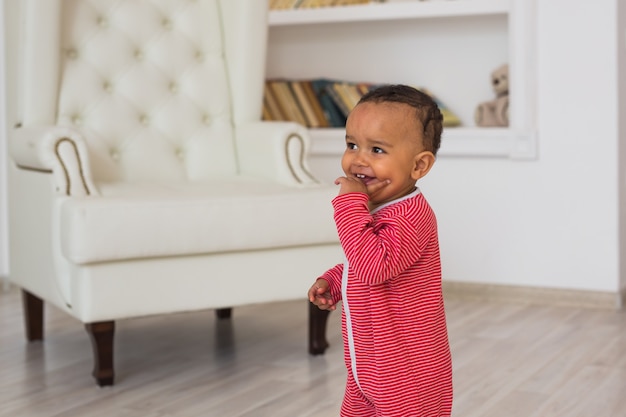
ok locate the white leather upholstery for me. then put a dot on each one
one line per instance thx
(228, 215)
(143, 181)
(166, 88)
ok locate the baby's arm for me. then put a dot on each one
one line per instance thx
(378, 250)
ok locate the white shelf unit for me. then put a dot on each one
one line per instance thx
(447, 46)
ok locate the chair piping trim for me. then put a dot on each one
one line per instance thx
(27, 168)
(65, 172)
(301, 161)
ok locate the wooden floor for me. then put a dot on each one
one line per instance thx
(509, 361)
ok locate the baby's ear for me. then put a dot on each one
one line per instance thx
(424, 161)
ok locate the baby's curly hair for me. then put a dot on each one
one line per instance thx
(426, 109)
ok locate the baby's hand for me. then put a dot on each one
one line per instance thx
(354, 185)
(320, 296)
(350, 185)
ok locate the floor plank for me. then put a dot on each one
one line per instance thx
(513, 360)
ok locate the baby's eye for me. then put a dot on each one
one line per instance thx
(350, 145)
(376, 149)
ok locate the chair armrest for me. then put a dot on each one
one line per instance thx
(57, 150)
(274, 150)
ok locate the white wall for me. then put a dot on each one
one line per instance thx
(4, 258)
(621, 54)
(553, 222)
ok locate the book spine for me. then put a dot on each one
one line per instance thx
(333, 114)
(305, 105)
(315, 104)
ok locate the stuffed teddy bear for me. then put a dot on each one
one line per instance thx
(495, 112)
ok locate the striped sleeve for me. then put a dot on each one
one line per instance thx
(377, 251)
(333, 276)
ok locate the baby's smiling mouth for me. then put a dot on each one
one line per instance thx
(364, 178)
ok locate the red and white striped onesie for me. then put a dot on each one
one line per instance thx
(393, 320)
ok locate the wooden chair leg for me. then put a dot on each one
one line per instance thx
(33, 316)
(317, 330)
(101, 335)
(224, 313)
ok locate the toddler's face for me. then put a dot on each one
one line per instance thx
(384, 143)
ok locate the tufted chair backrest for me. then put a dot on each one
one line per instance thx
(146, 82)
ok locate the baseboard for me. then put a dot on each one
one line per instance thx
(535, 295)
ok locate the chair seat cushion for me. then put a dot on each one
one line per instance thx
(134, 221)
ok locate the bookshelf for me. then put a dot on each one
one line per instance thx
(449, 47)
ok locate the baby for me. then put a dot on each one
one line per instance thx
(393, 319)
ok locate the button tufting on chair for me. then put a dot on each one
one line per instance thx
(115, 154)
(166, 23)
(144, 119)
(102, 22)
(72, 53)
(107, 87)
(77, 120)
(138, 54)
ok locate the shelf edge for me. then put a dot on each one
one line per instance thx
(388, 11)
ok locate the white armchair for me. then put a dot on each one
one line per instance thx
(143, 181)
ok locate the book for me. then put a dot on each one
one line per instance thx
(450, 119)
(333, 114)
(350, 2)
(305, 105)
(316, 3)
(275, 113)
(352, 94)
(286, 101)
(283, 4)
(337, 94)
(315, 103)
(364, 87)
(266, 115)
